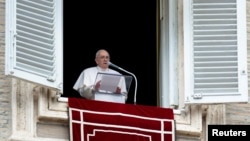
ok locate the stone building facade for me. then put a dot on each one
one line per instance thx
(30, 112)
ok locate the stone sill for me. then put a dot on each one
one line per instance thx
(18, 138)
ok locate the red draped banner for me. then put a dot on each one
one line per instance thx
(92, 120)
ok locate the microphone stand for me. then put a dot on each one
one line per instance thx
(111, 64)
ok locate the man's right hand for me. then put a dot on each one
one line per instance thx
(97, 85)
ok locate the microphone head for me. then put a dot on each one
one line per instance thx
(113, 65)
(109, 63)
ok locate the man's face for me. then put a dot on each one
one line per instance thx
(102, 59)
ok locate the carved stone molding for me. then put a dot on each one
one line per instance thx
(49, 108)
(35, 112)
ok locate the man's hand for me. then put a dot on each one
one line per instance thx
(97, 85)
(118, 90)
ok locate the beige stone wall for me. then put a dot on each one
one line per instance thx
(5, 85)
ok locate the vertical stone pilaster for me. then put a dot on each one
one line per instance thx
(22, 109)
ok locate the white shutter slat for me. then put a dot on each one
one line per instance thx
(39, 35)
(210, 16)
(214, 52)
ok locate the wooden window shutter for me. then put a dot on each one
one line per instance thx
(215, 51)
(34, 41)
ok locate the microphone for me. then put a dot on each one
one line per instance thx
(113, 65)
(117, 67)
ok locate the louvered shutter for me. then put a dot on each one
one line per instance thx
(34, 41)
(215, 51)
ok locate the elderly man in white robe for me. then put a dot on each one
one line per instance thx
(85, 83)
